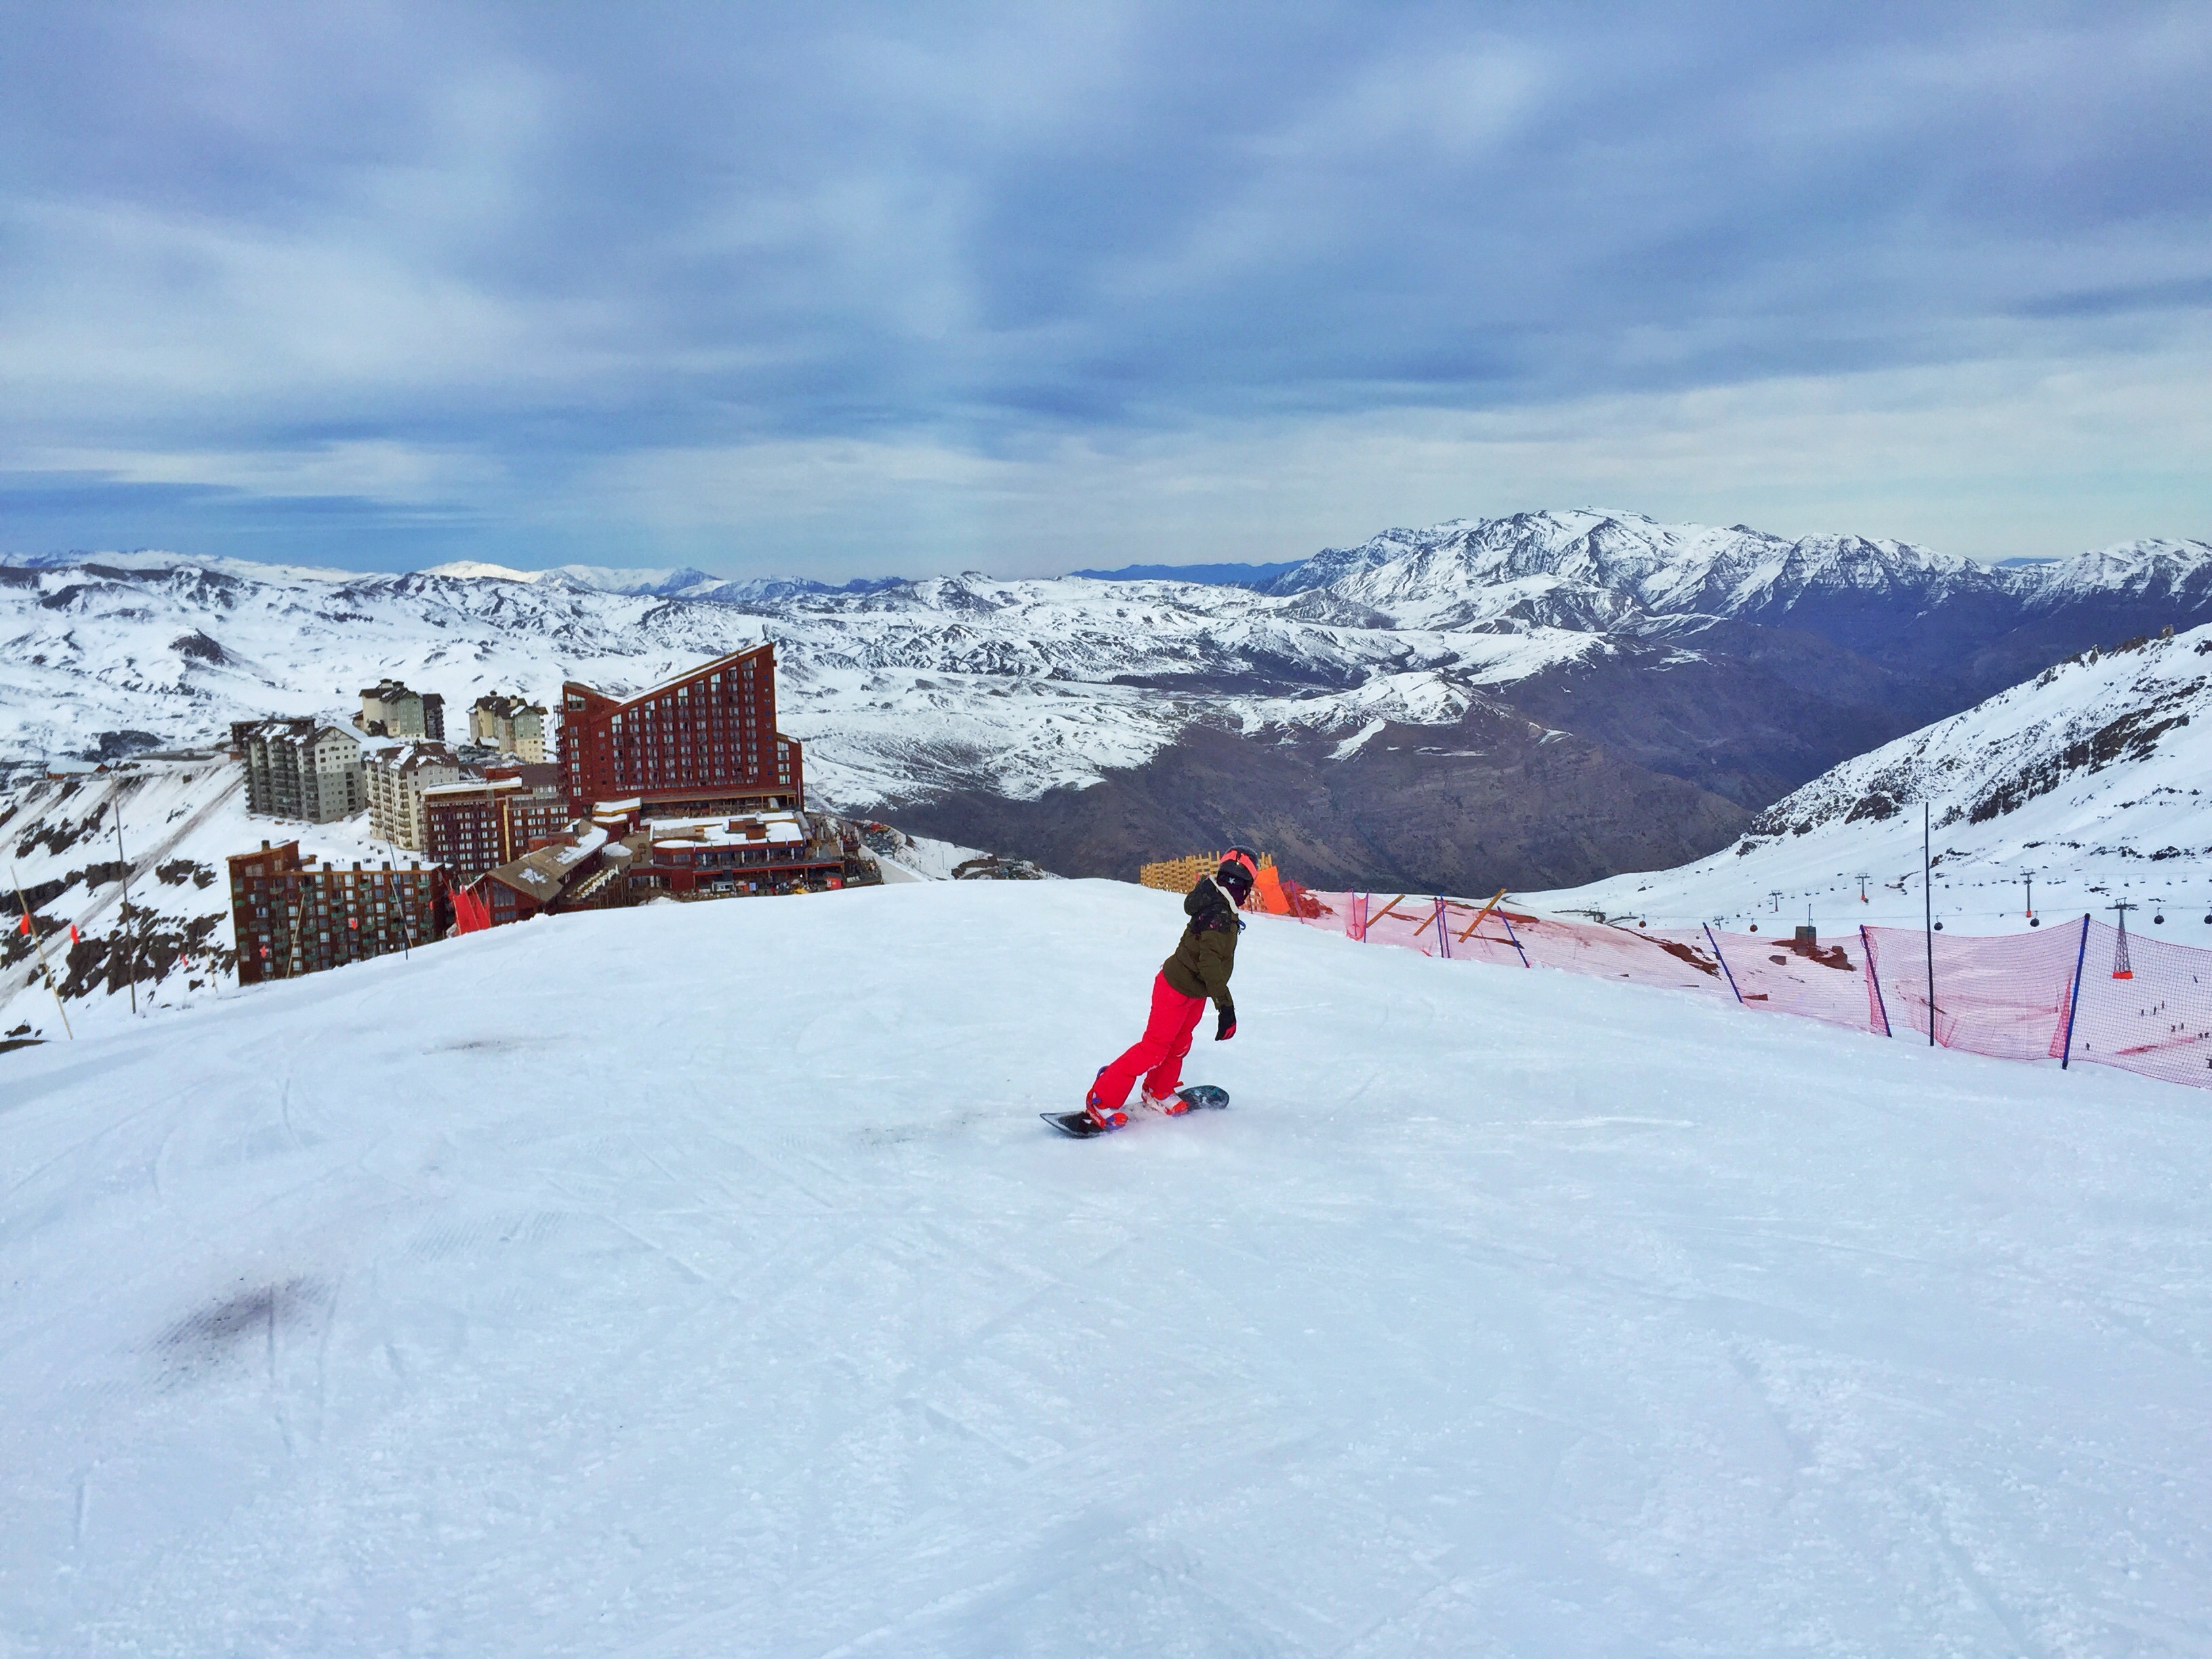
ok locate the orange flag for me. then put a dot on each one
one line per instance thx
(1273, 899)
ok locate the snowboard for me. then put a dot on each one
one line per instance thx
(1081, 1125)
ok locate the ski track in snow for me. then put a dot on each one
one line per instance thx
(698, 1280)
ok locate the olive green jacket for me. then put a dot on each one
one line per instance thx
(1203, 960)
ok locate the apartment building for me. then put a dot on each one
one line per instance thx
(389, 710)
(398, 776)
(476, 826)
(511, 726)
(292, 915)
(301, 768)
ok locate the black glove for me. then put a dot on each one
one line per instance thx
(1225, 1028)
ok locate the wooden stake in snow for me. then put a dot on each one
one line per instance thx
(1480, 914)
(39, 946)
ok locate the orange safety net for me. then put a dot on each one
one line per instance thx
(2158, 1020)
(2143, 1005)
(1829, 984)
(2004, 996)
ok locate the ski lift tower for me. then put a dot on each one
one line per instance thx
(2122, 968)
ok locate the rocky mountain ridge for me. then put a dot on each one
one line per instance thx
(2093, 780)
(1727, 665)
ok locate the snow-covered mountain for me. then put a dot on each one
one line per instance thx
(536, 1296)
(2095, 778)
(1608, 570)
(1611, 571)
(2178, 573)
(959, 681)
(1738, 663)
(681, 581)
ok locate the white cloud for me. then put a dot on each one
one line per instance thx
(375, 470)
(1992, 459)
(841, 292)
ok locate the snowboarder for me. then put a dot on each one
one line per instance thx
(1203, 960)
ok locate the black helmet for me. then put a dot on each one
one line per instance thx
(1240, 867)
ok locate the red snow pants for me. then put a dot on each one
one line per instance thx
(1157, 1055)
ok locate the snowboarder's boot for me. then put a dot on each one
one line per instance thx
(1106, 1117)
(1170, 1105)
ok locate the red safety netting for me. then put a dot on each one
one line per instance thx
(2006, 996)
(2144, 1005)
(1828, 983)
(1640, 955)
(1466, 931)
(2158, 1020)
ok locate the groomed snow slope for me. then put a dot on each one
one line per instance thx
(698, 1280)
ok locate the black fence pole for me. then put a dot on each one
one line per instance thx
(1927, 917)
(2074, 998)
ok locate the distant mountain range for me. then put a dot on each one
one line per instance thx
(680, 582)
(1533, 701)
(1226, 575)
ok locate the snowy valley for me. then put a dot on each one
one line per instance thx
(1483, 706)
(1603, 691)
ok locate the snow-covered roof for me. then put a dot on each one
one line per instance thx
(413, 754)
(687, 677)
(544, 873)
(478, 787)
(780, 829)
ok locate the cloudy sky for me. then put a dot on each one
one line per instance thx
(850, 291)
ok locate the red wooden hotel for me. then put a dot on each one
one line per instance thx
(702, 746)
